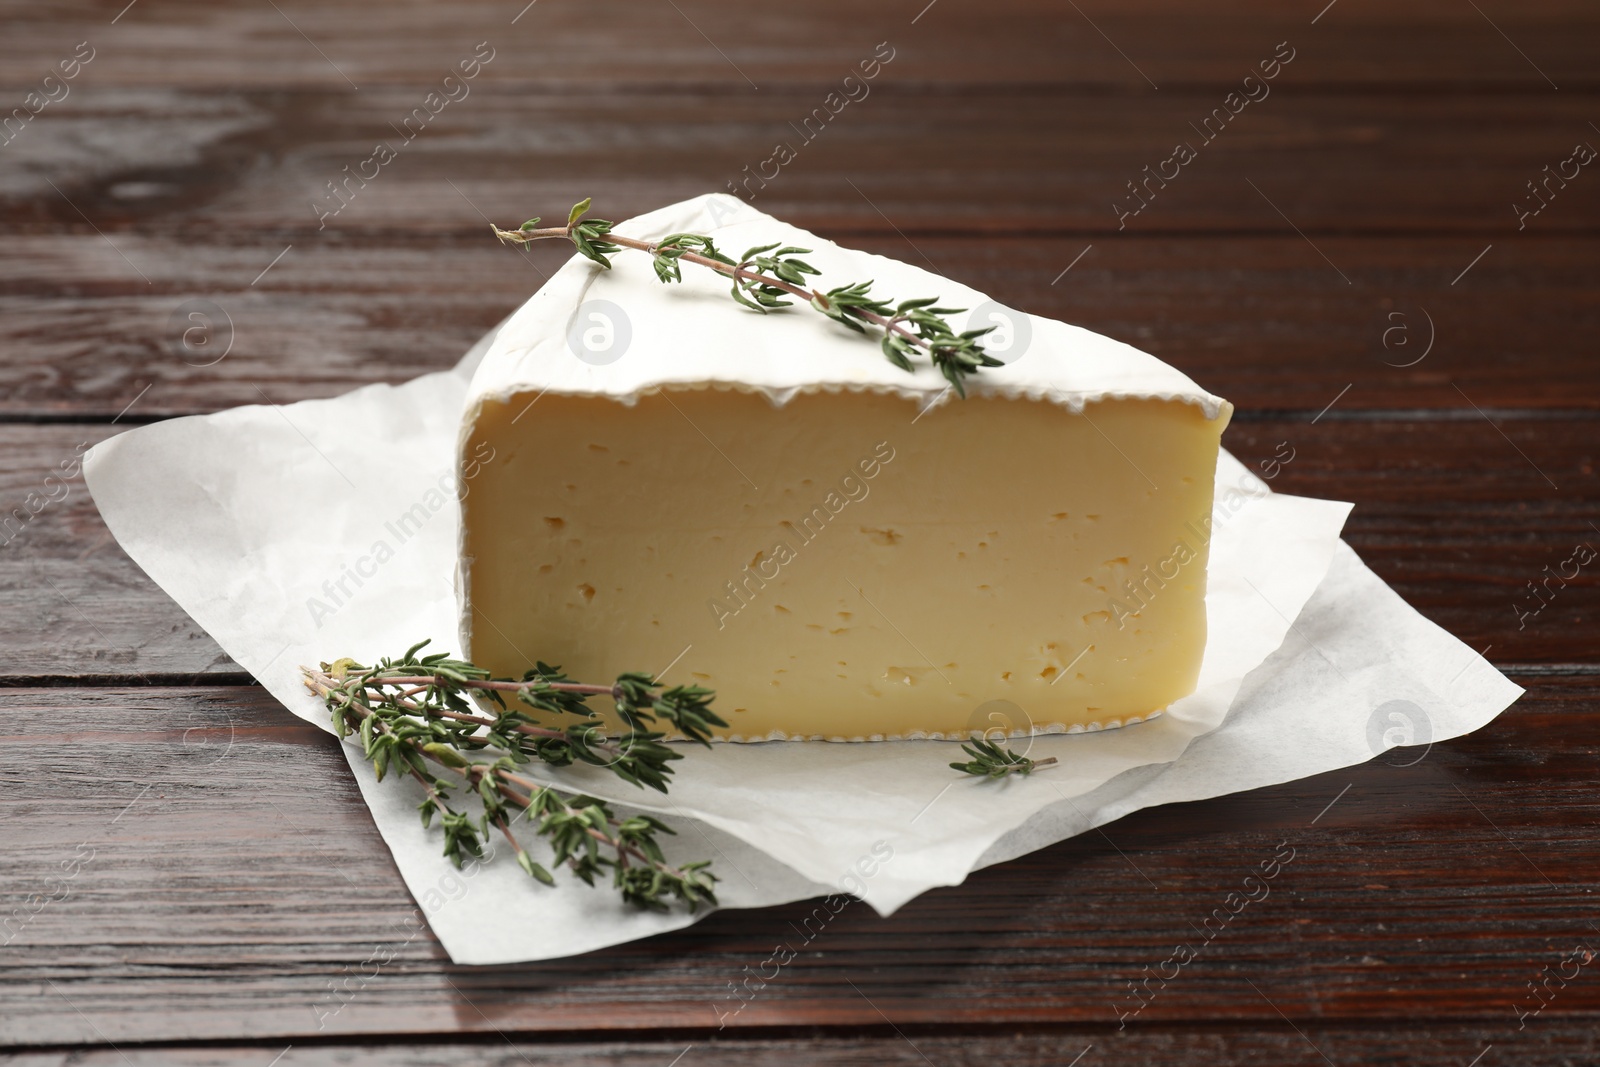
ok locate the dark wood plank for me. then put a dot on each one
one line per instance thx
(71, 601)
(1263, 321)
(1551, 1043)
(404, 279)
(234, 875)
(167, 42)
(1461, 518)
(1014, 159)
(1462, 551)
(227, 873)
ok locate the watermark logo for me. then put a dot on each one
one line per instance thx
(1551, 180)
(1397, 340)
(407, 524)
(17, 518)
(1255, 887)
(852, 884)
(205, 741)
(999, 721)
(341, 191)
(721, 209)
(51, 90)
(1399, 724)
(1144, 186)
(1543, 594)
(600, 332)
(1551, 981)
(200, 332)
(1012, 333)
(853, 88)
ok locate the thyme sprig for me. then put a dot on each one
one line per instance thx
(766, 274)
(990, 760)
(413, 716)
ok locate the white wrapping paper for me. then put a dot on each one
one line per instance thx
(276, 529)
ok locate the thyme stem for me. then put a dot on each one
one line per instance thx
(504, 685)
(911, 328)
(411, 715)
(992, 760)
(887, 323)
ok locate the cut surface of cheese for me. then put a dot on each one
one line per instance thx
(764, 506)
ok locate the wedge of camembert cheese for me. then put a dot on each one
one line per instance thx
(657, 479)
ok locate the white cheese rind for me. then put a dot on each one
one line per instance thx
(692, 334)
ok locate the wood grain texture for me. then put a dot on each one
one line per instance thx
(1103, 46)
(1263, 321)
(194, 162)
(1553, 1043)
(227, 874)
(162, 198)
(188, 870)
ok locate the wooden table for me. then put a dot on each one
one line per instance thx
(188, 871)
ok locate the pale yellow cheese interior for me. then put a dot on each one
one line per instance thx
(838, 567)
